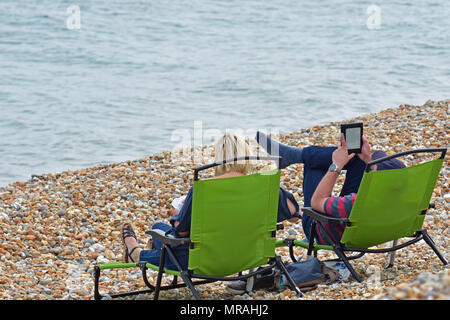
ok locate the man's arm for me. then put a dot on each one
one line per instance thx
(323, 191)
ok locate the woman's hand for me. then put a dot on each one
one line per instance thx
(340, 156)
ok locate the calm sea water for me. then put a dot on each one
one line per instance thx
(118, 86)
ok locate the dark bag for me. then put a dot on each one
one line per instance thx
(308, 274)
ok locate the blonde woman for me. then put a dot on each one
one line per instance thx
(228, 146)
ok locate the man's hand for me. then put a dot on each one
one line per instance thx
(340, 156)
(365, 154)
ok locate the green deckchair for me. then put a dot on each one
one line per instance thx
(390, 205)
(233, 226)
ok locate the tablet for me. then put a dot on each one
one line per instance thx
(353, 136)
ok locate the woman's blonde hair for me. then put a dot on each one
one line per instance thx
(231, 146)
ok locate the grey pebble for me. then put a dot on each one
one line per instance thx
(45, 282)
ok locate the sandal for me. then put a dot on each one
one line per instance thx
(127, 232)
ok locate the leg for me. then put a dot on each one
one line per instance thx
(154, 257)
(320, 158)
(289, 154)
(132, 247)
(317, 157)
(288, 208)
(316, 163)
(161, 226)
(311, 178)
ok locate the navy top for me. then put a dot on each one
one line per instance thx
(184, 216)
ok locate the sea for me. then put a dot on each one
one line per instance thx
(86, 82)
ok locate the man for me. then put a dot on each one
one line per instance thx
(322, 166)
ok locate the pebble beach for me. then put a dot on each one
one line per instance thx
(56, 227)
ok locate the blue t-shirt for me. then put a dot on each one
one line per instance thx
(184, 216)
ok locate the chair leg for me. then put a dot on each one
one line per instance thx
(430, 242)
(283, 269)
(174, 280)
(143, 267)
(160, 271)
(392, 255)
(290, 244)
(184, 274)
(189, 284)
(250, 281)
(312, 235)
(344, 259)
(97, 295)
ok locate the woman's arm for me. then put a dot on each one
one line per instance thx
(181, 221)
(174, 212)
(292, 210)
(176, 223)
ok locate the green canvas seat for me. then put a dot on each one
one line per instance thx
(390, 205)
(233, 227)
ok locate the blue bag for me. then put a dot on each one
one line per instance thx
(307, 274)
